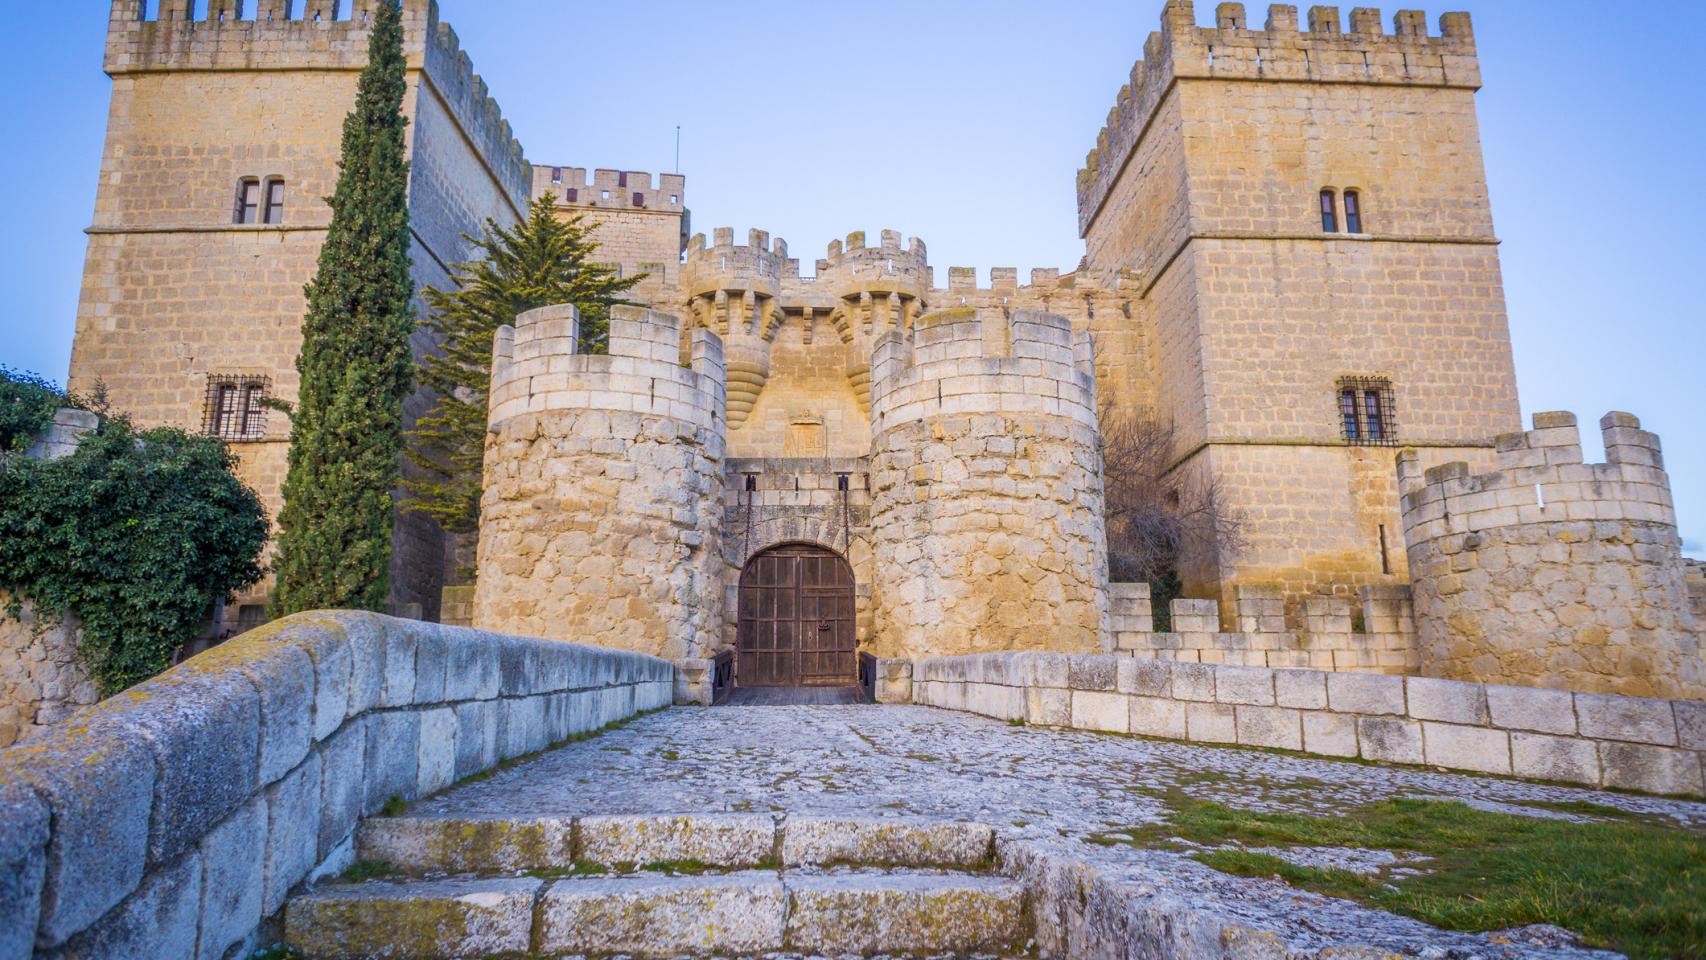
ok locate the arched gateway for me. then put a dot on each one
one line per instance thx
(796, 624)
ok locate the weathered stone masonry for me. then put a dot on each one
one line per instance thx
(603, 508)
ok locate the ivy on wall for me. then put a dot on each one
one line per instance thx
(136, 534)
(27, 405)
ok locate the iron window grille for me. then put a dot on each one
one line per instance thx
(234, 407)
(1367, 414)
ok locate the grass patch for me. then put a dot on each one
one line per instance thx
(678, 868)
(580, 868)
(363, 870)
(1630, 884)
(925, 757)
(394, 807)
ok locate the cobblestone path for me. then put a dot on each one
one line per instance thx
(1048, 786)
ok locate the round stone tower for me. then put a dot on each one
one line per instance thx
(602, 511)
(1552, 572)
(734, 291)
(986, 483)
(876, 289)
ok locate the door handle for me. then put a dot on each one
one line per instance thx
(825, 626)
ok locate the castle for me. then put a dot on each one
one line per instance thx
(1289, 260)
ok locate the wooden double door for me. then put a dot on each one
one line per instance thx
(796, 626)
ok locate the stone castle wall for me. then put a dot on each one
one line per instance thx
(986, 487)
(1551, 572)
(174, 292)
(639, 227)
(603, 506)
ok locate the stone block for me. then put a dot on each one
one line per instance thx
(1048, 669)
(1448, 701)
(1092, 672)
(204, 731)
(1455, 747)
(343, 760)
(98, 784)
(1274, 727)
(721, 840)
(398, 689)
(729, 915)
(435, 844)
(391, 767)
(1329, 734)
(1144, 678)
(432, 658)
(1365, 693)
(1389, 740)
(472, 673)
(476, 737)
(1158, 717)
(439, 918)
(904, 914)
(1193, 681)
(1302, 689)
(1651, 769)
(524, 724)
(1528, 708)
(435, 762)
(1211, 723)
(283, 678)
(1106, 712)
(1565, 759)
(889, 842)
(158, 920)
(992, 700)
(293, 832)
(326, 644)
(233, 855)
(1690, 724)
(366, 638)
(1631, 719)
(1047, 707)
(1253, 686)
(24, 832)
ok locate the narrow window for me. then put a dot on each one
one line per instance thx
(1372, 416)
(235, 408)
(275, 201)
(674, 198)
(254, 423)
(1329, 212)
(556, 174)
(572, 195)
(604, 194)
(248, 201)
(1353, 211)
(1348, 414)
(226, 416)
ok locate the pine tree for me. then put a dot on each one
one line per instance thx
(346, 437)
(540, 262)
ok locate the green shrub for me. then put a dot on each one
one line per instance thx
(136, 533)
(27, 405)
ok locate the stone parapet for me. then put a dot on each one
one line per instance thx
(611, 189)
(986, 487)
(1282, 52)
(1651, 745)
(1329, 636)
(249, 767)
(1551, 571)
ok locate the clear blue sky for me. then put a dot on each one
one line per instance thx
(963, 123)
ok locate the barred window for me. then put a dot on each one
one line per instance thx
(1329, 211)
(1366, 414)
(235, 408)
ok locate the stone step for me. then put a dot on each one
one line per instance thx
(747, 912)
(418, 844)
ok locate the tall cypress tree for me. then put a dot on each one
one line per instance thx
(346, 436)
(540, 262)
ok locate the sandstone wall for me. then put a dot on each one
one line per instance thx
(174, 291)
(640, 227)
(1551, 572)
(603, 506)
(178, 815)
(1632, 743)
(986, 487)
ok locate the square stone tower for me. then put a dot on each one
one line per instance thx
(1305, 210)
(222, 140)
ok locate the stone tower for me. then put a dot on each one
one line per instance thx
(986, 487)
(223, 136)
(1297, 338)
(602, 514)
(640, 227)
(1553, 572)
(735, 291)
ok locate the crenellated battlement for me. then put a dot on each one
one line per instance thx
(759, 264)
(315, 35)
(969, 361)
(1325, 52)
(611, 189)
(852, 267)
(1550, 570)
(537, 366)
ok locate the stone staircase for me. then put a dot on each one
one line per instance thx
(663, 886)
